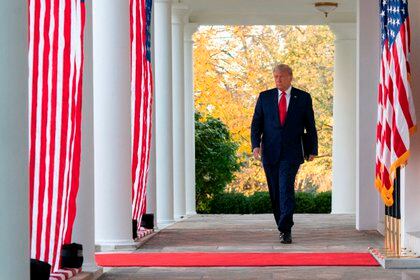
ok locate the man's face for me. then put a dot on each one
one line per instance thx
(283, 80)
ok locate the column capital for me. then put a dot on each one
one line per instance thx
(189, 30)
(344, 31)
(180, 13)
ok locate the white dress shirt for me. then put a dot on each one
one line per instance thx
(287, 96)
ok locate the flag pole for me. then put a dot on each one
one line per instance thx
(398, 211)
(387, 229)
(389, 156)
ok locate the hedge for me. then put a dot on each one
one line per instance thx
(259, 202)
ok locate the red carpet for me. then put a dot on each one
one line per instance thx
(234, 259)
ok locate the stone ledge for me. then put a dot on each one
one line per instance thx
(144, 239)
(88, 275)
(395, 262)
(127, 246)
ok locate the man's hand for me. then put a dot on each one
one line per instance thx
(257, 153)
(311, 157)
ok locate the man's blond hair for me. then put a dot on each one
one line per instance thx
(283, 68)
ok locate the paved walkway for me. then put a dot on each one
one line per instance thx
(257, 233)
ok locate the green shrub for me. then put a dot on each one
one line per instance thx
(305, 202)
(259, 203)
(215, 160)
(323, 202)
(229, 203)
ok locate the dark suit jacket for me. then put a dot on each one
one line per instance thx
(283, 142)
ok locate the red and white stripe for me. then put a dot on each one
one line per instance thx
(396, 116)
(63, 274)
(141, 107)
(55, 101)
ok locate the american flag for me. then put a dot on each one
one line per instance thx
(141, 102)
(396, 117)
(55, 61)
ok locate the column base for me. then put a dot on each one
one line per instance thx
(116, 245)
(180, 217)
(333, 212)
(89, 273)
(164, 223)
(413, 241)
(381, 228)
(191, 213)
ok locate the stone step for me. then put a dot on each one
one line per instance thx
(88, 275)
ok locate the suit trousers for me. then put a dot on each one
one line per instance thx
(281, 181)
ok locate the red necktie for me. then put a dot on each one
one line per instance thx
(282, 108)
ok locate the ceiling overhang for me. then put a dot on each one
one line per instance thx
(267, 12)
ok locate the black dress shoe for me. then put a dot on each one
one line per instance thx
(286, 238)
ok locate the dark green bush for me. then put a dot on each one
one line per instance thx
(305, 202)
(323, 202)
(215, 160)
(259, 202)
(229, 203)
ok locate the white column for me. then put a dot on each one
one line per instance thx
(111, 85)
(368, 54)
(151, 182)
(163, 99)
(189, 30)
(14, 211)
(410, 206)
(179, 13)
(344, 113)
(381, 216)
(84, 224)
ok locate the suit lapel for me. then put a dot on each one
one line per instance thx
(275, 101)
(292, 104)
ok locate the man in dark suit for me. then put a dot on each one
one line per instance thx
(281, 117)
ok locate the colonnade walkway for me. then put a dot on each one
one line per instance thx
(257, 233)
